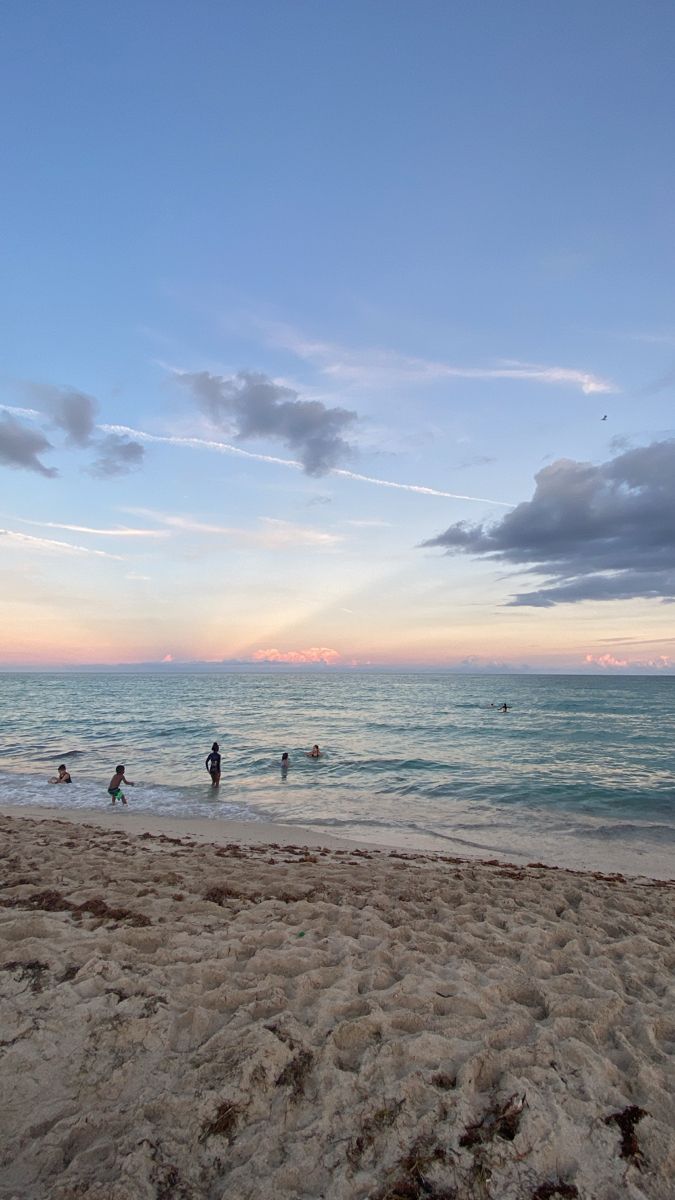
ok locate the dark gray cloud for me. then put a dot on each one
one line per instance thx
(251, 405)
(73, 412)
(68, 409)
(117, 455)
(20, 446)
(595, 532)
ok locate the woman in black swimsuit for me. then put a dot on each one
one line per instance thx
(213, 765)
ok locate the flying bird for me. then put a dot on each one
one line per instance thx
(604, 418)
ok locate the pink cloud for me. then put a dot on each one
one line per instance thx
(662, 662)
(314, 654)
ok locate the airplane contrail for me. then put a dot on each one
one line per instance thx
(227, 448)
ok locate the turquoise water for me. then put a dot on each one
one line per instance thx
(579, 772)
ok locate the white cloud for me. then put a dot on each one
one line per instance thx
(387, 368)
(49, 546)
(273, 534)
(124, 532)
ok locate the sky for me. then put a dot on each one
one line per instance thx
(338, 333)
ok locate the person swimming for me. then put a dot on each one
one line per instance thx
(213, 764)
(63, 775)
(314, 752)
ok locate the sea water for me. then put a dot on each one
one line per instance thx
(579, 772)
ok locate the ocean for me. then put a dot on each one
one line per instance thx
(580, 772)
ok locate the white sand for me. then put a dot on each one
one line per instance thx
(186, 1020)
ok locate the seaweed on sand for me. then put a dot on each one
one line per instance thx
(550, 1189)
(224, 1123)
(382, 1118)
(411, 1181)
(52, 901)
(627, 1120)
(295, 1073)
(500, 1122)
(33, 971)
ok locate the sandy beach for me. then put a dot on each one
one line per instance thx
(216, 1012)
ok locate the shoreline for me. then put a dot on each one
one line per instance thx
(208, 830)
(224, 831)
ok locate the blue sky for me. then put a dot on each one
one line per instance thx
(427, 244)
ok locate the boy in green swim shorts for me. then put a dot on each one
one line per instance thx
(114, 789)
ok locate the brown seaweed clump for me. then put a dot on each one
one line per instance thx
(627, 1120)
(224, 1122)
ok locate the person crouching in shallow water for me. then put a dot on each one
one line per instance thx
(63, 775)
(213, 765)
(314, 752)
(114, 789)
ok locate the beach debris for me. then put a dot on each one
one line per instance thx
(412, 1181)
(295, 1073)
(224, 1123)
(550, 1189)
(444, 1081)
(221, 892)
(52, 901)
(301, 933)
(627, 1120)
(501, 1122)
(382, 1118)
(33, 971)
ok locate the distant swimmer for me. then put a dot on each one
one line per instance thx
(114, 789)
(63, 775)
(213, 765)
(314, 752)
(504, 707)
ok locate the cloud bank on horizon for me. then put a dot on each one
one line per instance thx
(595, 532)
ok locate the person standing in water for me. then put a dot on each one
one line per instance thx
(114, 789)
(213, 764)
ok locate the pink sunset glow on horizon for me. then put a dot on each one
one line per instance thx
(314, 654)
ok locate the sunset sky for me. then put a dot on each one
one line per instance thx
(338, 332)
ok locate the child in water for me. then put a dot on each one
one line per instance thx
(114, 789)
(63, 775)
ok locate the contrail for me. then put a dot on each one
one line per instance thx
(415, 487)
(227, 448)
(123, 532)
(49, 544)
